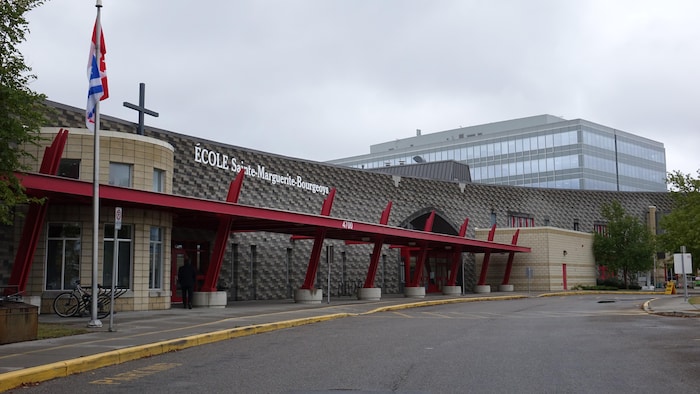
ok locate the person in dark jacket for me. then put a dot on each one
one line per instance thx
(187, 276)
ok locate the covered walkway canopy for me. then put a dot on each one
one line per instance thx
(200, 213)
(227, 216)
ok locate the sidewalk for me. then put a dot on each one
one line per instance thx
(142, 334)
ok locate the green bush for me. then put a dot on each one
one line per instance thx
(600, 288)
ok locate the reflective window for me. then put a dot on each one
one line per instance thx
(63, 251)
(124, 258)
(120, 174)
(155, 270)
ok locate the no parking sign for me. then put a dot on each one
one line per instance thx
(117, 218)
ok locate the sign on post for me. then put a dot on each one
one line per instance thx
(117, 219)
(682, 262)
(115, 262)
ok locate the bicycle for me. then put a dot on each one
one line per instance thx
(79, 301)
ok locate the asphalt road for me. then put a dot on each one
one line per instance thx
(576, 344)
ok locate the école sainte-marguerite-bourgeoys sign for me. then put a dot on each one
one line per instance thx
(229, 163)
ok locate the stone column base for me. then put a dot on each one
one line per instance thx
(209, 299)
(505, 288)
(369, 293)
(452, 290)
(414, 292)
(482, 289)
(308, 296)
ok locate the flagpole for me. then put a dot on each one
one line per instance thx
(94, 321)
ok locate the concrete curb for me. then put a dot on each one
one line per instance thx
(440, 302)
(589, 292)
(647, 308)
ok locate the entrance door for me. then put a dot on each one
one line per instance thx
(178, 260)
(435, 270)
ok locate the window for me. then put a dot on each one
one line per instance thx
(600, 228)
(69, 168)
(158, 180)
(521, 220)
(576, 225)
(123, 256)
(155, 258)
(120, 174)
(62, 256)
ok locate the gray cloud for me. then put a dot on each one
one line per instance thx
(325, 79)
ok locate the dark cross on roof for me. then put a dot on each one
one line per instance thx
(141, 108)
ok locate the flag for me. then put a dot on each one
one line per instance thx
(97, 76)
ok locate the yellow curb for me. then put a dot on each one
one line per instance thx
(589, 292)
(41, 373)
(440, 302)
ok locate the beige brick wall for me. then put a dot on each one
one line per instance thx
(547, 259)
(145, 154)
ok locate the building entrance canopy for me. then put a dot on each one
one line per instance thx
(200, 213)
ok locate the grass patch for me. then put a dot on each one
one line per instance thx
(694, 300)
(54, 330)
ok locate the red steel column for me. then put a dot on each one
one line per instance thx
(457, 255)
(34, 220)
(511, 255)
(487, 256)
(378, 242)
(420, 262)
(222, 233)
(318, 244)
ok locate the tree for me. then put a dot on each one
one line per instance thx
(682, 225)
(627, 244)
(21, 110)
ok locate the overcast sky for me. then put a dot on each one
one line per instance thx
(325, 79)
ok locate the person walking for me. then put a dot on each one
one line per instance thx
(187, 276)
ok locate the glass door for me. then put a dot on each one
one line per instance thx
(178, 260)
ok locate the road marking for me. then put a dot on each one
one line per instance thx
(442, 315)
(137, 373)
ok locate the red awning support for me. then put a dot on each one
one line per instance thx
(487, 257)
(34, 220)
(511, 255)
(378, 243)
(222, 234)
(420, 262)
(318, 244)
(457, 255)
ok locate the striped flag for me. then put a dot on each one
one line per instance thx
(97, 76)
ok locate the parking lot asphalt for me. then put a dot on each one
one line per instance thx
(133, 335)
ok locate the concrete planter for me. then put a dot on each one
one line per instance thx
(210, 299)
(33, 300)
(482, 289)
(452, 290)
(308, 296)
(506, 288)
(414, 292)
(369, 294)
